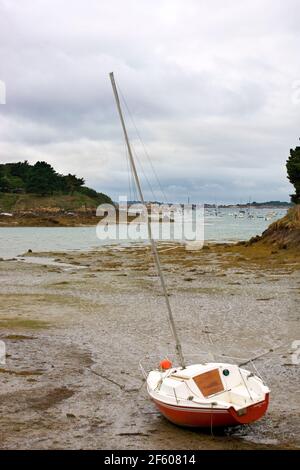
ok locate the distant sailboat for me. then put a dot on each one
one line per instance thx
(198, 395)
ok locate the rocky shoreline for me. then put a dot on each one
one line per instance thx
(54, 218)
(283, 233)
(48, 219)
(76, 331)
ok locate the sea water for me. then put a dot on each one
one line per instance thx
(228, 225)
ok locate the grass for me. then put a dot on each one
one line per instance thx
(216, 259)
(290, 221)
(23, 323)
(282, 234)
(8, 201)
(27, 202)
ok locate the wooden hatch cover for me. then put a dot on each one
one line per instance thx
(209, 382)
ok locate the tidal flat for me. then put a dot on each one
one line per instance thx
(76, 330)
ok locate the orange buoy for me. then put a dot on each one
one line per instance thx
(165, 364)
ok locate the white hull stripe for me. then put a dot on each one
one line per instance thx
(193, 410)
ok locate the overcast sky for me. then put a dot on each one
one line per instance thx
(213, 87)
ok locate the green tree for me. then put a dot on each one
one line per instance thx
(104, 198)
(88, 192)
(5, 186)
(73, 183)
(293, 171)
(20, 169)
(42, 179)
(38, 184)
(16, 183)
(100, 197)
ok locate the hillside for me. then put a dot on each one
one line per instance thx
(28, 210)
(16, 203)
(41, 179)
(36, 195)
(282, 234)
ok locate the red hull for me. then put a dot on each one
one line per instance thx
(195, 417)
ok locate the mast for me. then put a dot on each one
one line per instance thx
(153, 244)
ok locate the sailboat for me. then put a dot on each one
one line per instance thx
(201, 394)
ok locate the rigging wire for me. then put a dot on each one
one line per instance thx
(128, 170)
(148, 157)
(144, 174)
(145, 152)
(151, 239)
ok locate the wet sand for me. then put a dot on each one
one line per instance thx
(74, 339)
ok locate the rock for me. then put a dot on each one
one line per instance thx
(282, 246)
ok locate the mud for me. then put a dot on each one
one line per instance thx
(74, 339)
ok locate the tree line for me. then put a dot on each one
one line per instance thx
(41, 179)
(293, 171)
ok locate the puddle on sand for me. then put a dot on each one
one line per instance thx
(48, 261)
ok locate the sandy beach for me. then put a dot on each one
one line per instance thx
(75, 331)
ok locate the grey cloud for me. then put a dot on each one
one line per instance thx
(210, 89)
